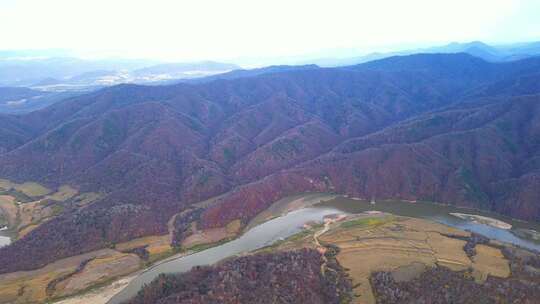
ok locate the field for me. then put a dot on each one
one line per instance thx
(404, 246)
(25, 206)
(77, 274)
(28, 188)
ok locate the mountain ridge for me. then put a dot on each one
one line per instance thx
(155, 151)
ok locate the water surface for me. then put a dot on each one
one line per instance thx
(257, 237)
(441, 214)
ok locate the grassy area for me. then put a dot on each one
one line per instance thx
(291, 239)
(159, 256)
(63, 194)
(201, 247)
(367, 222)
(18, 195)
(30, 189)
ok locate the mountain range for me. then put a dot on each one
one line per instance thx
(65, 73)
(493, 53)
(448, 128)
(57, 74)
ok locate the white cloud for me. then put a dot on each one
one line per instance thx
(219, 29)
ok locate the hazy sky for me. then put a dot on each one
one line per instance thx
(224, 29)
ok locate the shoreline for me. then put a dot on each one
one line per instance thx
(483, 220)
(101, 295)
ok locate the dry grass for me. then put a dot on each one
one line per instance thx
(63, 194)
(233, 227)
(29, 289)
(32, 189)
(24, 217)
(149, 241)
(489, 260)
(406, 247)
(97, 271)
(29, 188)
(157, 246)
(30, 286)
(212, 236)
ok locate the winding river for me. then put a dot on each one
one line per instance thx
(284, 226)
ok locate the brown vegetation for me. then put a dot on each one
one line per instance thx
(428, 127)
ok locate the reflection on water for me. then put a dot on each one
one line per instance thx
(291, 223)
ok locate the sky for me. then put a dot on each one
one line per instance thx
(186, 30)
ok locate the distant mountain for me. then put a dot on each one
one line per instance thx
(52, 79)
(73, 74)
(12, 98)
(449, 128)
(242, 73)
(15, 93)
(522, 49)
(28, 71)
(497, 53)
(475, 48)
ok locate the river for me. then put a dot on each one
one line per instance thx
(4, 237)
(291, 223)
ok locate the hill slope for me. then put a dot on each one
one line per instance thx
(428, 127)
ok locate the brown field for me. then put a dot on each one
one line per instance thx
(30, 286)
(404, 246)
(33, 213)
(489, 260)
(104, 266)
(211, 236)
(25, 217)
(157, 246)
(99, 270)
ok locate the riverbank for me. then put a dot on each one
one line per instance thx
(483, 220)
(99, 295)
(275, 224)
(404, 248)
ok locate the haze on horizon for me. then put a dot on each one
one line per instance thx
(240, 29)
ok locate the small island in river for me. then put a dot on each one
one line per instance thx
(483, 220)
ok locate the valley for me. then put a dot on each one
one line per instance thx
(269, 152)
(100, 186)
(406, 247)
(289, 224)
